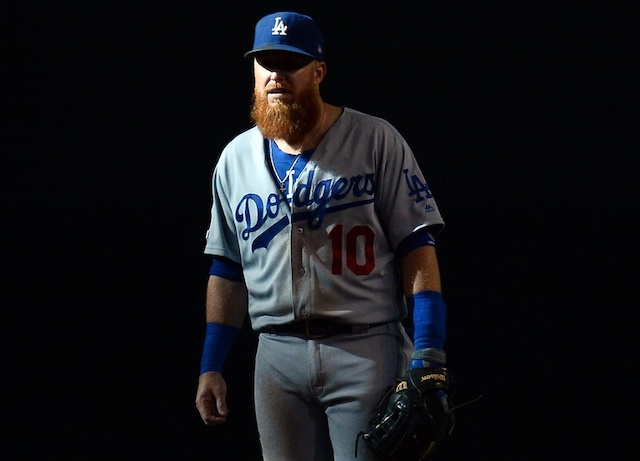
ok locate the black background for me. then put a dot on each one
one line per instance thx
(522, 114)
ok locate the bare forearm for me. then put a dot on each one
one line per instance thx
(420, 271)
(227, 301)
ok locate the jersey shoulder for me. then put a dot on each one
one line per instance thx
(247, 138)
(359, 118)
(246, 145)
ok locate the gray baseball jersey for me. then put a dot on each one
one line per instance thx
(330, 252)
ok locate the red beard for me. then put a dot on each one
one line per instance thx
(290, 122)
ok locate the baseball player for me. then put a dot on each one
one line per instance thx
(322, 231)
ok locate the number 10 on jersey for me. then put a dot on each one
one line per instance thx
(353, 248)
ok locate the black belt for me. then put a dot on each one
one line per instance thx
(318, 328)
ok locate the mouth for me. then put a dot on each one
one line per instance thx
(278, 94)
(277, 91)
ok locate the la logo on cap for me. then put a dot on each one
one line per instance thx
(279, 28)
(288, 31)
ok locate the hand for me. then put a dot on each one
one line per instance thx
(211, 398)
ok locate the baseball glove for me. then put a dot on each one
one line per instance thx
(413, 417)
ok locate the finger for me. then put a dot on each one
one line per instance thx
(213, 420)
(209, 413)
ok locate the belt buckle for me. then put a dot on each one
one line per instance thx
(309, 334)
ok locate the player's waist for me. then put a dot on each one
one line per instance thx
(319, 328)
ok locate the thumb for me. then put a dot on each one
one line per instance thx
(222, 408)
(221, 401)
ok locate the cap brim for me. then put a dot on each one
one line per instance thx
(277, 47)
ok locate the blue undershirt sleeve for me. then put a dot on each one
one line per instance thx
(225, 268)
(413, 241)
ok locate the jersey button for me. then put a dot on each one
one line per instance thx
(300, 230)
(301, 271)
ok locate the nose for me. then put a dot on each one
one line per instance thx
(275, 75)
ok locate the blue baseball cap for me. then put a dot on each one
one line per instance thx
(288, 31)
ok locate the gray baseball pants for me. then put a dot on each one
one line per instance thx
(313, 397)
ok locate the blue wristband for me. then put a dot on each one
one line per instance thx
(429, 319)
(217, 343)
(429, 313)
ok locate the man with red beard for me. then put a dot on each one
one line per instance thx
(322, 231)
